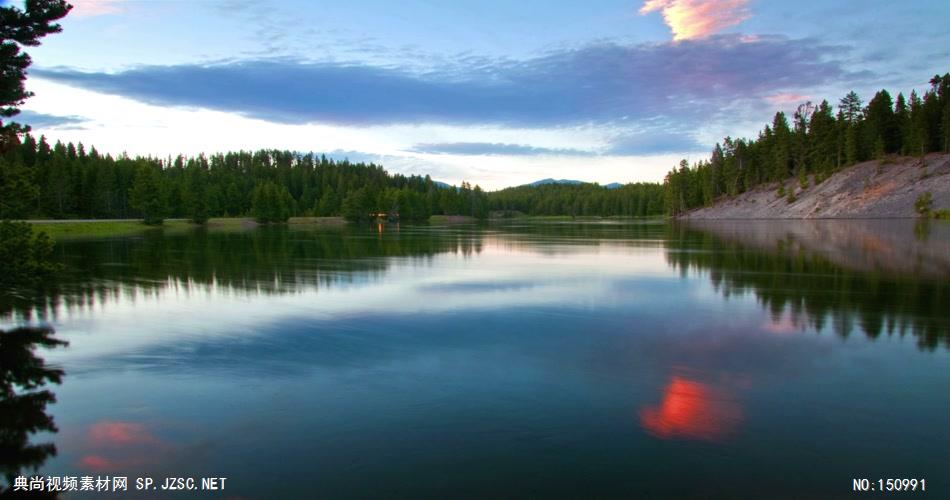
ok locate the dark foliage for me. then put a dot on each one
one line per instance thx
(66, 181)
(631, 200)
(25, 257)
(23, 402)
(816, 144)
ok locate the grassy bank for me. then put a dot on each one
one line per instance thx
(102, 229)
(64, 229)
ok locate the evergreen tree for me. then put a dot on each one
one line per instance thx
(358, 206)
(850, 106)
(902, 123)
(823, 138)
(146, 195)
(21, 28)
(881, 125)
(196, 193)
(917, 138)
(329, 203)
(780, 147)
(271, 202)
(17, 190)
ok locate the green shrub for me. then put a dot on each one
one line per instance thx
(924, 203)
(802, 178)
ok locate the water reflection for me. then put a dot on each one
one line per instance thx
(502, 360)
(264, 261)
(23, 402)
(693, 410)
(875, 276)
(842, 275)
(113, 446)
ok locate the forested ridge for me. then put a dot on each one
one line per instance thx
(66, 181)
(631, 200)
(817, 143)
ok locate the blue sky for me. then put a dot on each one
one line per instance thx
(496, 93)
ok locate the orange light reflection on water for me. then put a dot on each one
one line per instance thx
(692, 410)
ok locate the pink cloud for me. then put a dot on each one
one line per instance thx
(781, 99)
(89, 8)
(689, 19)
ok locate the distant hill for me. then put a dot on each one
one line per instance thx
(572, 182)
(554, 181)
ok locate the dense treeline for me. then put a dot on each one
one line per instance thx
(66, 181)
(631, 200)
(816, 144)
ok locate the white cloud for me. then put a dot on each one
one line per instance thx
(117, 124)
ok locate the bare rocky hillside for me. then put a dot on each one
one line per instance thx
(873, 189)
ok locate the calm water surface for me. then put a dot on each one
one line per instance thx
(557, 360)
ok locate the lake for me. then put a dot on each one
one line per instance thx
(560, 359)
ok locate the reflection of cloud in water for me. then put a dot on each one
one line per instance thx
(785, 324)
(118, 446)
(692, 410)
(120, 433)
(180, 313)
(476, 286)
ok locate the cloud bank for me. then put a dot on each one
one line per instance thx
(604, 83)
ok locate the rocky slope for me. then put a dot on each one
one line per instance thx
(874, 189)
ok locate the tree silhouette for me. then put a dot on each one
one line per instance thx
(21, 28)
(23, 401)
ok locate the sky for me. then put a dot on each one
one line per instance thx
(497, 93)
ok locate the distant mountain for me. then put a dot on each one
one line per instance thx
(542, 182)
(441, 184)
(554, 181)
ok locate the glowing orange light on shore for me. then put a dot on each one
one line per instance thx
(691, 410)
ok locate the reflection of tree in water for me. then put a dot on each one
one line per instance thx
(266, 260)
(816, 290)
(23, 402)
